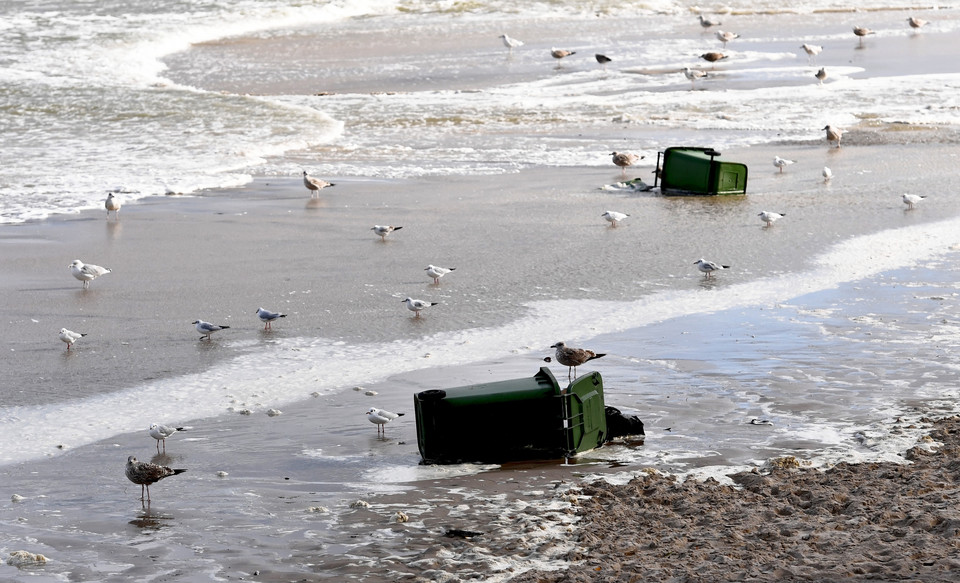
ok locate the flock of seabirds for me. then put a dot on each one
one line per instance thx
(145, 473)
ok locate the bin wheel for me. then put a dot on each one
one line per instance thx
(432, 395)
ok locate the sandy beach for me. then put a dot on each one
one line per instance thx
(286, 479)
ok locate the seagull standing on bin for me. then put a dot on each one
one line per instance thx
(381, 418)
(573, 357)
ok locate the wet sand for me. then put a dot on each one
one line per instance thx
(853, 522)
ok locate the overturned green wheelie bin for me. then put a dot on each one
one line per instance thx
(514, 420)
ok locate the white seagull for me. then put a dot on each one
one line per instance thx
(161, 433)
(916, 22)
(912, 199)
(417, 305)
(70, 336)
(782, 162)
(769, 217)
(708, 267)
(833, 134)
(510, 43)
(381, 418)
(437, 272)
(206, 329)
(267, 317)
(87, 272)
(613, 217)
(112, 204)
(693, 75)
(811, 50)
(315, 185)
(383, 230)
(827, 174)
(726, 36)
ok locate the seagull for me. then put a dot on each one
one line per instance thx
(70, 337)
(827, 174)
(614, 217)
(693, 75)
(708, 267)
(726, 36)
(811, 50)
(782, 162)
(561, 53)
(833, 134)
(381, 418)
(206, 329)
(417, 305)
(161, 433)
(909, 199)
(916, 22)
(769, 217)
(707, 23)
(437, 272)
(713, 57)
(315, 185)
(573, 357)
(761, 422)
(510, 43)
(267, 317)
(861, 32)
(603, 60)
(87, 272)
(112, 204)
(145, 473)
(383, 230)
(821, 75)
(624, 159)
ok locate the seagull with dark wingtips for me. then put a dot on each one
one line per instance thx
(383, 230)
(708, 267)
(381, 418)
(573, 357)
(314, 185)
(161, 433)
(206, 328)
(417, 306)
(145, 473)
(267, 317)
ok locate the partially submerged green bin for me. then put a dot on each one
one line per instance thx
(520, 419)
(688, 170)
